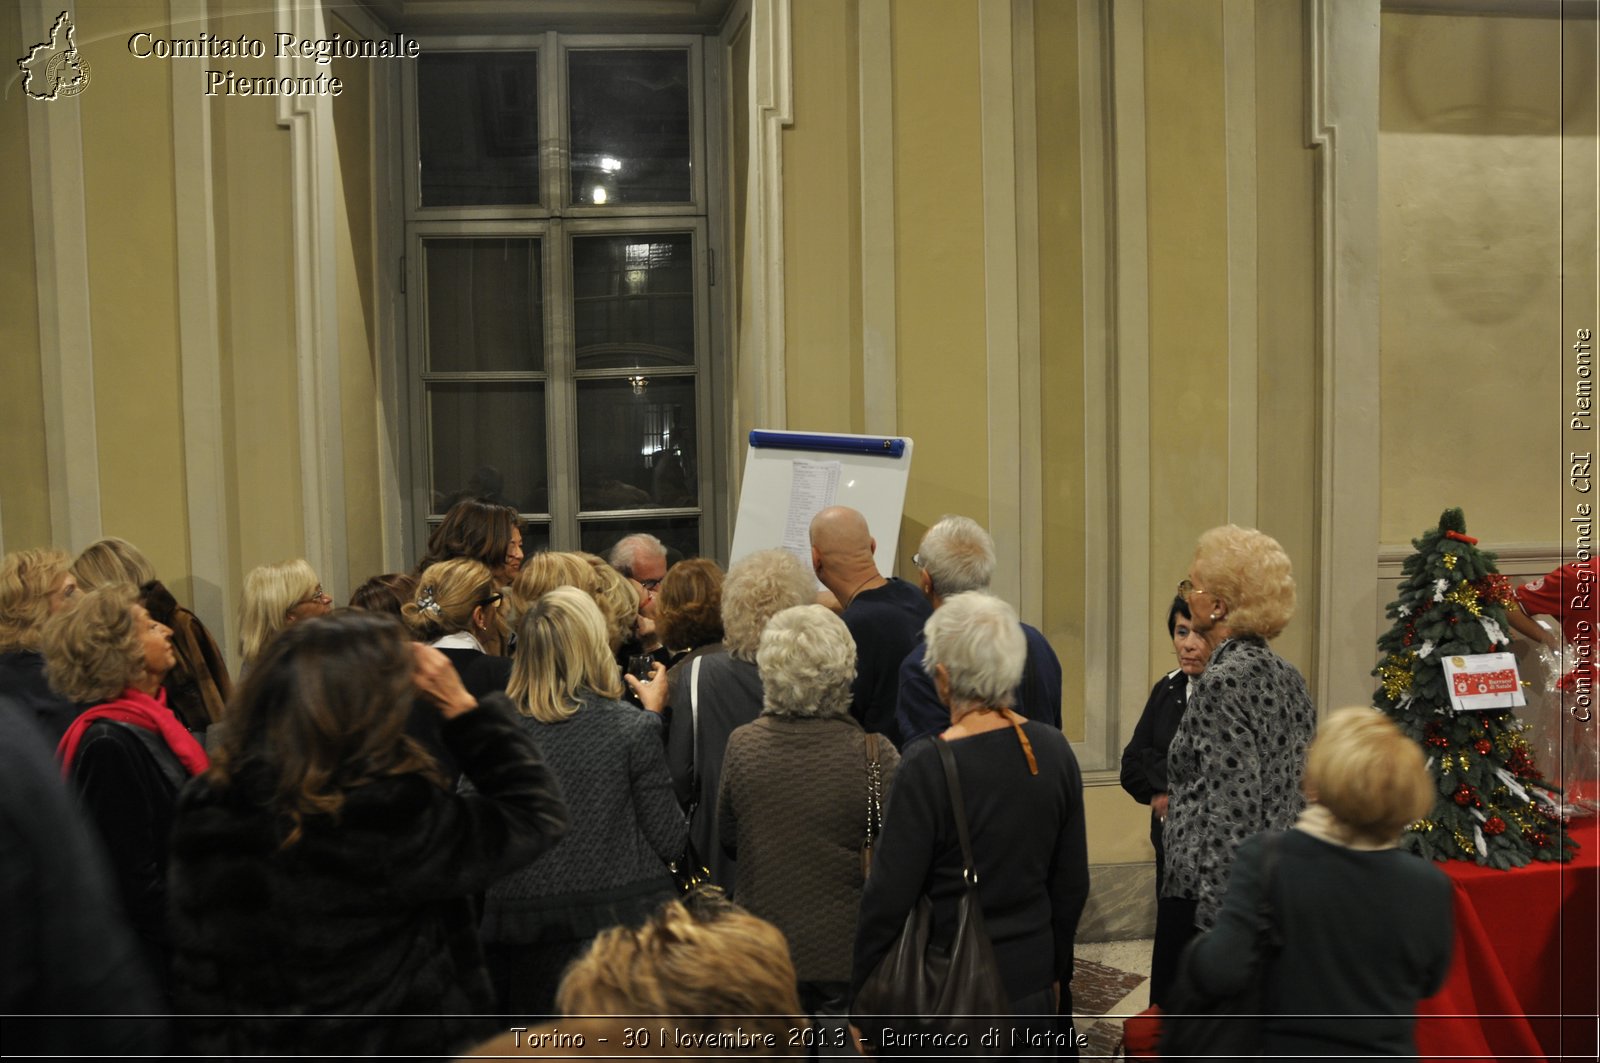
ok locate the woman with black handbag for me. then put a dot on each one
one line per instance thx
(802, 787)
(982, 851)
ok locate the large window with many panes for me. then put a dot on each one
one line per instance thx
(559, 262)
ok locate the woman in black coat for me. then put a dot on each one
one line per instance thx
(322, 868)
(1023, 796)
(1144, 776)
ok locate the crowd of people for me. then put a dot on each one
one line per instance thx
(466, 795)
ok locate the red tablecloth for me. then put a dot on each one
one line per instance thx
(1523, 983)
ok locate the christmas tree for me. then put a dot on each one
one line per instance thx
(1494, 808)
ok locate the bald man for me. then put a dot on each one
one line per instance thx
(885, 615)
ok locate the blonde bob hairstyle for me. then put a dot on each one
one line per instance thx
(617, 598)
(27, 579)
(561, 652)
(979, 640)
(112, 560)
(446, 596)
(547, 570)
(703, 960)
(807, 661)
(757, 588)
(270, 591)
(92, 651)
(1362, 768)
(1248, 571)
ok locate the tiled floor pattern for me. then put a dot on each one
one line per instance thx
(1111, 981)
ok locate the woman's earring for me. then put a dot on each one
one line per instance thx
(1214, 615)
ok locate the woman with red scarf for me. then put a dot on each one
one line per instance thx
(127, 755)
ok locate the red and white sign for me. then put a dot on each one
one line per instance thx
(1484, 681)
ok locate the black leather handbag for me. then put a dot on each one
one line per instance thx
(1198, 1025)
(933, 998)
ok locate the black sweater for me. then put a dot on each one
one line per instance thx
(1027, 841)
(367, 916)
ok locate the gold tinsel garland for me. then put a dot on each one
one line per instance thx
(1465, 597)
(1395, 674)
(1450, 562)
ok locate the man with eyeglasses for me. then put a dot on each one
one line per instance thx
(643, 559)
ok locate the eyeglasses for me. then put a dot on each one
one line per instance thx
(1187, 589)
(318, 595)
(650, 584)
(916, 559)
(492, 599)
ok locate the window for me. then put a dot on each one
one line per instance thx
(558, 270)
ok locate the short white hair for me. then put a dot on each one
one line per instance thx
(958, 556)
(630, 548)
(979, 640)
(807, 661)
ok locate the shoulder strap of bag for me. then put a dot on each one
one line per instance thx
(969, 870)
(694, 724)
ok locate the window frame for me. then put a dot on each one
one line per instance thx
(556, 223)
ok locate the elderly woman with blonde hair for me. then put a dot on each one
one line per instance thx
(127, 755)
(34, 586)
(276, 596)
(199, 684)
(611, 868)
(1235, 760)
(1366, 927)
(795, 806)
(703, 704)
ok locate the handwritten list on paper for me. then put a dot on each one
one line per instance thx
(814, 488)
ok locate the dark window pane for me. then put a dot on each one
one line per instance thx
(629, 119)
(680, 535)
(636, 443)
(478, 128)
(485, 305)
(488, 441)
(633, 300)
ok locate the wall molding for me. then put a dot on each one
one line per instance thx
(1342, 123)
(997, 94)
(761, 365)
(212, 588)
(1239, 102)
(880, 381)
(1030, 419)
(313, 153)
(1130, 664)
(66, 341)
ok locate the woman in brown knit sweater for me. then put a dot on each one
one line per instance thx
(794, 804)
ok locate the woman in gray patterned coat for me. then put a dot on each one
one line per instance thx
(1235, 762)
(610, 869)
(794, 799)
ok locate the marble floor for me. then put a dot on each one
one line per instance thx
(1111, 982)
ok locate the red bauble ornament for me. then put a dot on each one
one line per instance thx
(1463, 795)
(1494, 825)
(1483, 746)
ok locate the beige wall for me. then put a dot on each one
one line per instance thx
(1474, 224)
(24, 488)
(139, 282)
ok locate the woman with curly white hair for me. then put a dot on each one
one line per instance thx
(1235, 760)
(794, 805)
(1023, 795)
(702, 705)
